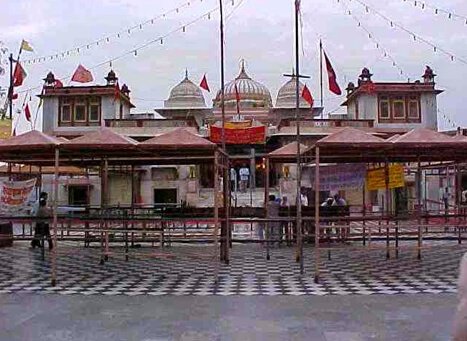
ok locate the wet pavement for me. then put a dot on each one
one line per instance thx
(332, 318)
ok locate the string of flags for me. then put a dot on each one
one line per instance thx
(107, 39)
(160, 40)
(437, 10)
(372, 37)
(448, 120)
(414, 35)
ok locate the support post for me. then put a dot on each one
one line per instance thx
(55, 219)
(297, 119)
(386, 175)
(317, 223)
(216, 205)
(419, 210)
(266, 209)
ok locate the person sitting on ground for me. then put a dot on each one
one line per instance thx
(42, 224)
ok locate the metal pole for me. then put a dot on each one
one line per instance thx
(321, 74)
(266, 209)
(55, 219)
(221, 11)
(297, 119)
(11, 90)
(317, 225)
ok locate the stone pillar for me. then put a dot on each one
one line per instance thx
(252, 169)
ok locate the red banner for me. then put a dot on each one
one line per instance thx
(251, 135)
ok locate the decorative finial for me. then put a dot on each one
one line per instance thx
(242, 65)
(186, 73)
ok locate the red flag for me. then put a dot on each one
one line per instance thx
(82, 75)
(58, 84)
(333, 86)
(204, 84)
(237, 97)
(18, 75)
(306, 94)
(27, 112)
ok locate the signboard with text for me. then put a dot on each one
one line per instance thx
(376, 178)
(337, 177)
(15, 195)
(250, 135)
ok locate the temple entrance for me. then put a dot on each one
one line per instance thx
(165, 196)
(78, 195)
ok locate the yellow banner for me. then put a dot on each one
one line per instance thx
(376, 178)
(5, 128)
(238, 125)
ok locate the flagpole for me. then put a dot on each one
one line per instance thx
(11, 90)
(225, 227)
(297, 118)
(321, 74)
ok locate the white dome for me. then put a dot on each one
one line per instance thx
(252, 93)
(186, 94)
(286, 97)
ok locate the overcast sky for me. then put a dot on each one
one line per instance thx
(260, 31)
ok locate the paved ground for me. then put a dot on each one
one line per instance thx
(189, 270)
(35, 317)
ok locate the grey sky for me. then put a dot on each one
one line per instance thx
(259, 31)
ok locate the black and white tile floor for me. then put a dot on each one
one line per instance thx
(349, 272)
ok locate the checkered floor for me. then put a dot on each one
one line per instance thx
(186, 270)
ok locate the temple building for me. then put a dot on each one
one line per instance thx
(256, 124)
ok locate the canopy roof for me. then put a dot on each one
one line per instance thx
(176, 147)
(287, 153)
(351, 137)
(353, 145)
(101, 139)
(31, 140)
(177, 139)
(425, 138)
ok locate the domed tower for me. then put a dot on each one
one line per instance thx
(252, 93)
(185, 94)
(286, 97)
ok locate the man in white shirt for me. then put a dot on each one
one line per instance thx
(244, 177)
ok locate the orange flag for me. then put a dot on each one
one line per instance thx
(82, 75)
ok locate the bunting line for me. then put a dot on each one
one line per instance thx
(414, 35)
(134, 51)
(372, 37)
(127, 31)
(437, 10)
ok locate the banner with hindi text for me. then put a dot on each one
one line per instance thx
(15, 195)
(250, 135)
(338, 177)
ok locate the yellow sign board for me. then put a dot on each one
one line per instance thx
(5, 128)
(376, 178)
(238, 125)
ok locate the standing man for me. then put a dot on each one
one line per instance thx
(244, 177)
(233, 179)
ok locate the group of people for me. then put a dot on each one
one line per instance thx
(42, 228)
(337, 200)
(244, 177)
